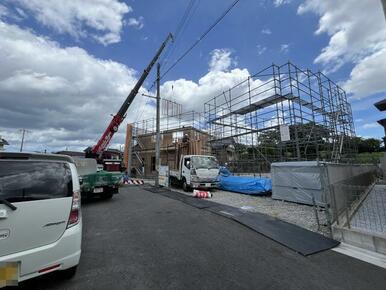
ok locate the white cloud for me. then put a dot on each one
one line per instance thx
(221, 60)
(368, 75)
(192, 95)
(284, 48)
(278, 3)
(100, 19)
(138, 23)
(3, 11)
(357, 33)
(21, 13)
(266, 31)
(370, 125)
(63, 95)
(260, 49)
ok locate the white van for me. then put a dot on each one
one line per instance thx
(40, 217)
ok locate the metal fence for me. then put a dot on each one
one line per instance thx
(371, 215)
(352, 202)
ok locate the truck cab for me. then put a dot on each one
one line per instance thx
(197, 171)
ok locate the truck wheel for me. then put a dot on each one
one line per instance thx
(185, 186)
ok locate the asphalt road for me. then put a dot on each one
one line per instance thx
(141, 240)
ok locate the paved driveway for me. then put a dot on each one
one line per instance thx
(141, 240)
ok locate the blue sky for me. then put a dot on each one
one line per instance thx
(88, 54)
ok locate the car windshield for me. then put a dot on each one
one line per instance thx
(33, 180)
(204, 162)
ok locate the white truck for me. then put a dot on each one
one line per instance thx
(196, 171)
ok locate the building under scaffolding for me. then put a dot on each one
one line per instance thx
(282, 113)
(180, 134)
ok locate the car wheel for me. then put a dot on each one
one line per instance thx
(69, 273)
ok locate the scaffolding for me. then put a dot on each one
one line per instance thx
(281, 113)
(173, 129)
(170, 122)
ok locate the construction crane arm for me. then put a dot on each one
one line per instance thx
(104, 141)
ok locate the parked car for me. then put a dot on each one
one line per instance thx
(40, 214)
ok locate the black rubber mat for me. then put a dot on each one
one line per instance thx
(294, 237)
(156, 190)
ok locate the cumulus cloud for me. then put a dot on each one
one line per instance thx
(99, 19)
(221, 60)
(368, 75)
(137, 23)
(357, 33)
(63, 95)
(193, 94)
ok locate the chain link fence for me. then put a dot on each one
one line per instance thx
(356, 203)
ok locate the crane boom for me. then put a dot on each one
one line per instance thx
(104, 141)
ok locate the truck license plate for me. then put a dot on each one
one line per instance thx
(98, 189)
(207, 184)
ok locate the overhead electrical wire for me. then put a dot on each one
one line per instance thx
(203, 35)
(182, 24)
(179, 30)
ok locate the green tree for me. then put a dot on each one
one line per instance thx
(367, 145)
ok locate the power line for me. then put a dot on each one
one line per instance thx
(210, 28)
(182, 24)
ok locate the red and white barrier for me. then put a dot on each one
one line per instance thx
(134, 181)
(201, 194)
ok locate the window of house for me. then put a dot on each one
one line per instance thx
(177, 135)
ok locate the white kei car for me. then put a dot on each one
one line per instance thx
(40, 216)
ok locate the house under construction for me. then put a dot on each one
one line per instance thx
(181, 134)
(281, 113)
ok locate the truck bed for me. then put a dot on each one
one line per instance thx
(100, 179)
(175, 173)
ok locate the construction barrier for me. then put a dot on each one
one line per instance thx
(134, 181)
(201, 194)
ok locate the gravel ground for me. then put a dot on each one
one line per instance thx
(298, 214)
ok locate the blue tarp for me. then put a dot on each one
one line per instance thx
(246, 185)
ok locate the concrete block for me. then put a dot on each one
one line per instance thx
(375, 243)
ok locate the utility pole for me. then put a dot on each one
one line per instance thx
(157, 144)
(22, 139)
